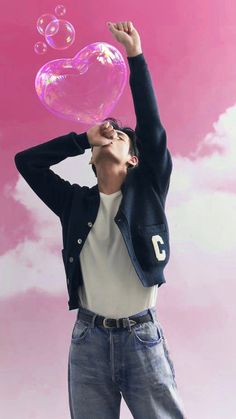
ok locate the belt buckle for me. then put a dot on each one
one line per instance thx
(104, 322)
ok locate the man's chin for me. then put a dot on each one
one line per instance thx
(106, 145)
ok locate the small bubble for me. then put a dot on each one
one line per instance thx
(60, 10)
(43, 22)
(60, 34)
(40, 47)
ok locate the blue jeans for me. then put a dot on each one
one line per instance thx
(105, 364)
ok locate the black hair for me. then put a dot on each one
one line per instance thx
(133, 149)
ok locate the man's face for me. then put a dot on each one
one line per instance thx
(116, 151)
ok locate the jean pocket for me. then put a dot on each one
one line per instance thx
(80, 331)
(148, 333)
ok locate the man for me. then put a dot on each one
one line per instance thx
(116, 245)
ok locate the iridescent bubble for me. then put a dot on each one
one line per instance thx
(43, 22)
(85, 88)
(60, 34)
(40, 47)
(60, 10)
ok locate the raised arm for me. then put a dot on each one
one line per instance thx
(34, 165)
(154, 156)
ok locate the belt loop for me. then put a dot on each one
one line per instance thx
(129, 326)
(126, 322)
(152, 315)
(93, 320)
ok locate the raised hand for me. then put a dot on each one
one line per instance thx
(126, 34)
(101, 134)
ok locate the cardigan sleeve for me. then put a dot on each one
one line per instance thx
(34, 165)
(154, 156)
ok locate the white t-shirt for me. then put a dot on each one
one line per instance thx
(111, 286)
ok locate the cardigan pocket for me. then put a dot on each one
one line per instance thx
(152, 245)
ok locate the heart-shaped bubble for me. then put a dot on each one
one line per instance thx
(85, 88)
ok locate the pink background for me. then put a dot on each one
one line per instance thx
(190, 50)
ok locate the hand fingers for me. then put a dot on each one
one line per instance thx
(105, 126)
(123, 26)
(119, 26)
(130, 26)
(109, 132)
(113, 27)
(107, 129)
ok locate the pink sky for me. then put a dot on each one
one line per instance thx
(190, 50)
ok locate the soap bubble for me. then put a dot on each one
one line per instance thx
(60, 34)
(43, 22)
(40, 47)
(85, 88)
(60, 10)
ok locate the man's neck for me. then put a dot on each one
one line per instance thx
(110, 182)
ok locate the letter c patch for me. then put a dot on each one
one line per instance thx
(160, 255)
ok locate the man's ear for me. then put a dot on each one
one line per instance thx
(133, 160)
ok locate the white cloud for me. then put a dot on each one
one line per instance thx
(201, 208)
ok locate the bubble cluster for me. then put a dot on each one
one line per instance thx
(59, 33)
(85, 88)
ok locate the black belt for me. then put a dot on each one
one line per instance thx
(108, 322)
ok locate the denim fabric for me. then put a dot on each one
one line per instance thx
(107, 364)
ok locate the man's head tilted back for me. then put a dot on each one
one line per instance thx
(121, 152)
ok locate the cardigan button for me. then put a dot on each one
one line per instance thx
(79, 241)
(71, 259)
(90, 224)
